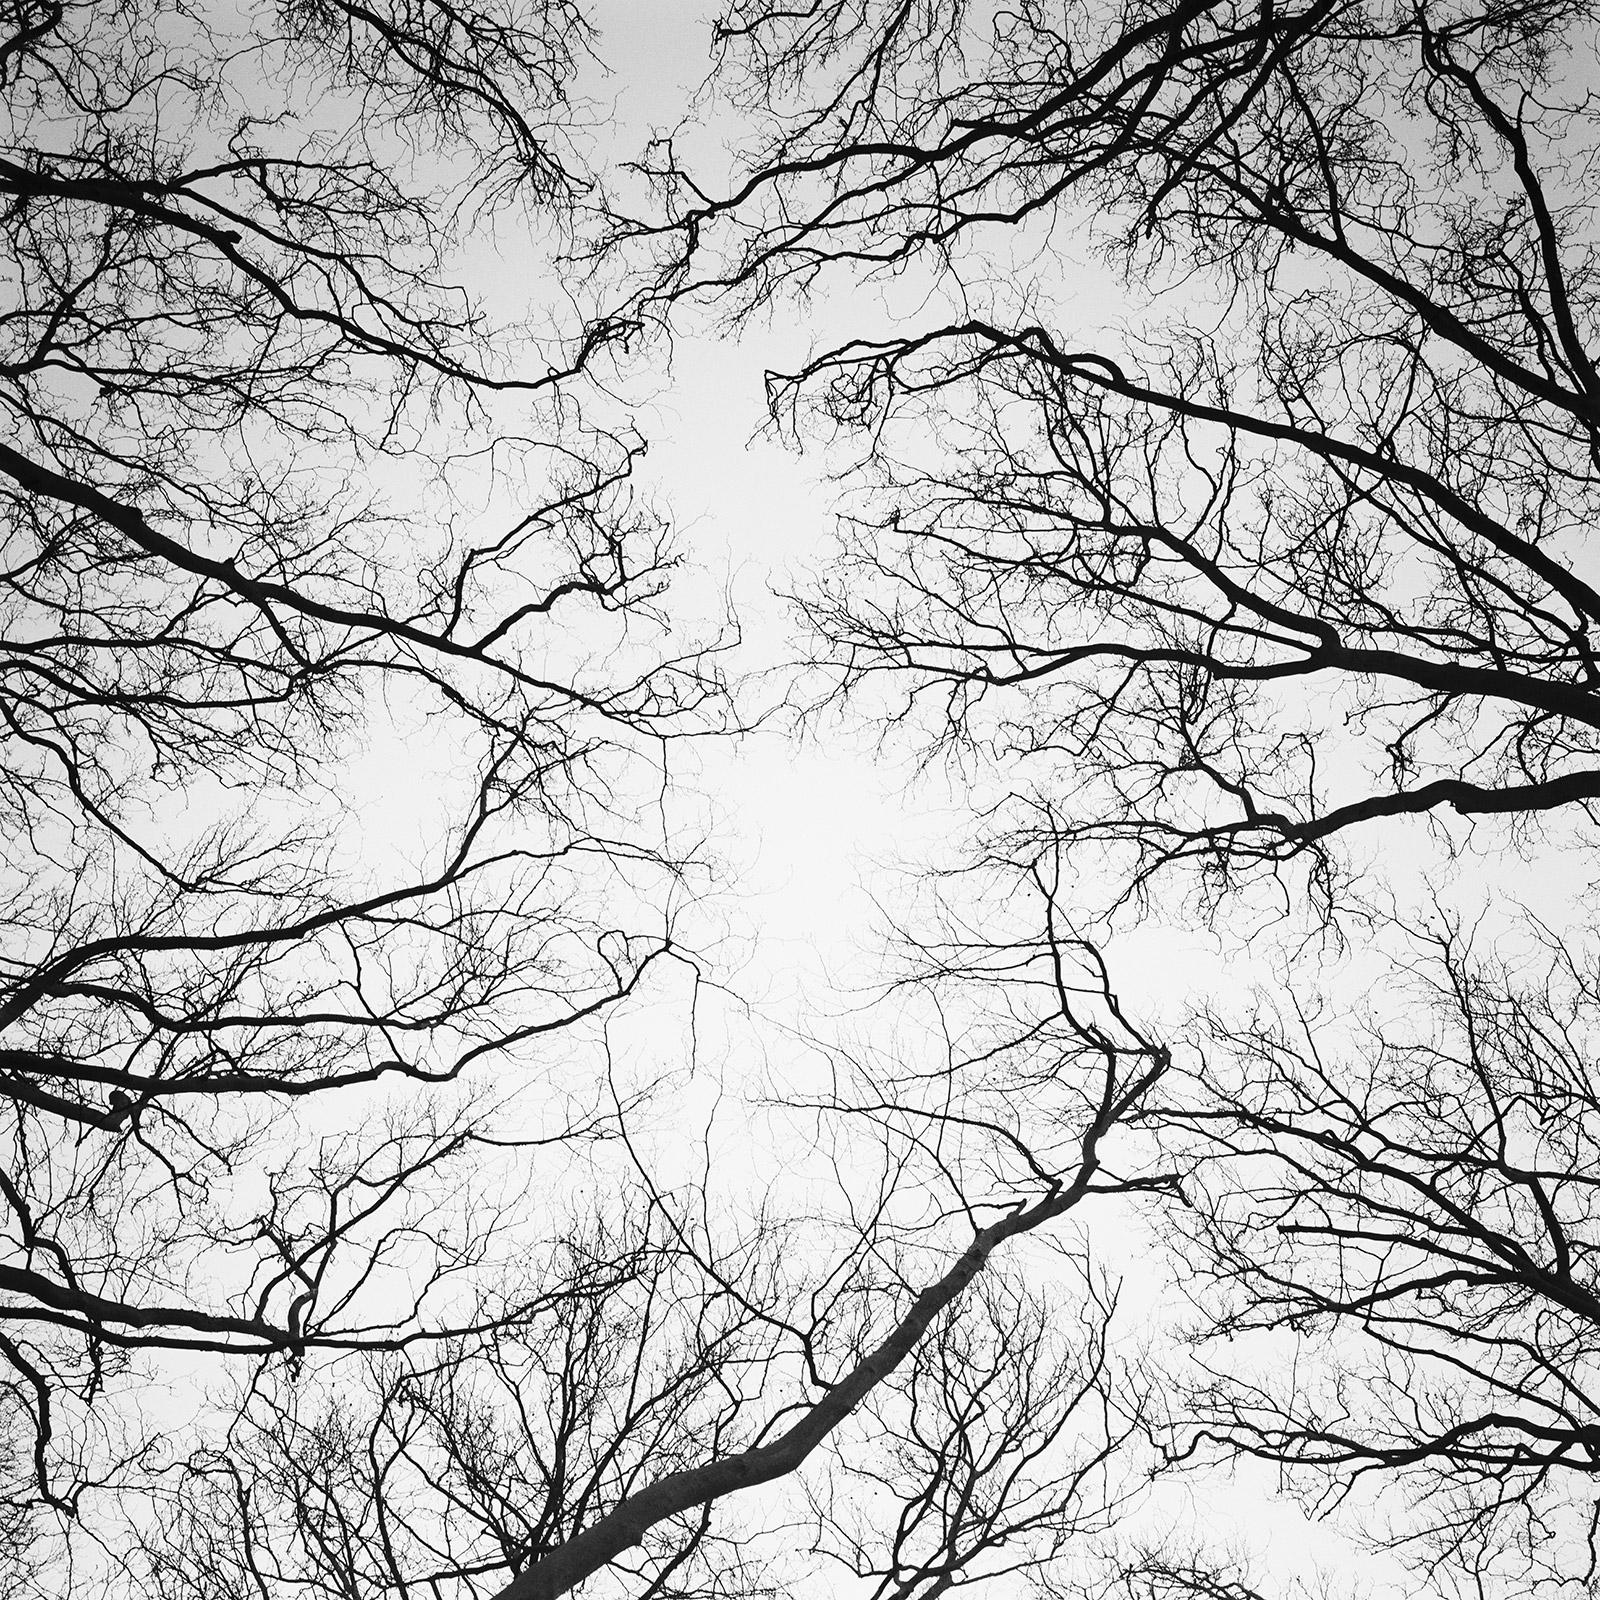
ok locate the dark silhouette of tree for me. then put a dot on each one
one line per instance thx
(240, 376)
(268, 1076)
(1243, 579)
(1006, 1439)
(673, 1353)
(1301, 552)
(1413, 1196)
(1221, 590)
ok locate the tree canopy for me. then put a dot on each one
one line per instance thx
(1211, 395)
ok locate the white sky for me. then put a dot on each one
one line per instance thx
(808, 831)
(805, 828)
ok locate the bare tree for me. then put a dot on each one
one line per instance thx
(1411, 1196)
(251, 1065)
(1302, 551)
(241, 375)
(1226, 591)
(1299, 558)
(1007, 1448)
(684, 1352)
